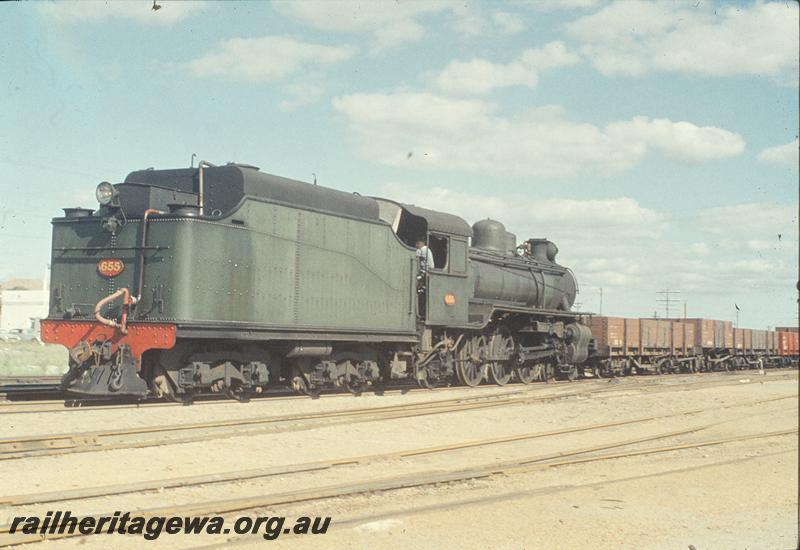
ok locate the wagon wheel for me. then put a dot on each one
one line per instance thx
(528, 374)
(301, 385)
(183, 398)
(501, 348)
(239, 394)
(469, 363)
(352, 383)
(702, 366)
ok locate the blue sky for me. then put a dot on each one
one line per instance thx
(656, 143)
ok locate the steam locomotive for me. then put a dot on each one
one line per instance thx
(227, 279)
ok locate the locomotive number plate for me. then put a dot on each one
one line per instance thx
(110, 267)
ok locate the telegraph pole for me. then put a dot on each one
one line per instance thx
(601, 300)
(667, 300)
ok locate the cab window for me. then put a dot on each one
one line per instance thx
(438, 245)
(458, 256)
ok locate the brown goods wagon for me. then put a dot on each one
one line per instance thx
(794, 339)
(678, 337)
(664, 334)
(655, 335)
(632, 335)
(772, 343)
(708, 333)
(720, 334)
(784, 342)
(738, 340)
(703, 332)
(690, 338)
(727, 341)
(609, 333)
(759, 340)
(648, 335)
(748, 340)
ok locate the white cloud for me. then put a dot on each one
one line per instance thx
(762, 220)
(139, 11)
(479, 76)
(469, 135)
(682, 141)
(267, 58)
(782, 154)
(468, 19)
(392, 23)
(633, 38)
(300, 94)
(571, 216)
(508, 23)
(608, 242)
(389, 22)
(553, 5)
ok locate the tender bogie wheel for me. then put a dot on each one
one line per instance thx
(301, 385)
(469, 363)
(501, 348)
(356, 387)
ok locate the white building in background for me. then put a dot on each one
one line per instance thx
(18, 307)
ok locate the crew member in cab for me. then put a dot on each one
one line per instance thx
(424, 256)
(425, 260)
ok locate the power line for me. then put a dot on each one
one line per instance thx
(668, 301)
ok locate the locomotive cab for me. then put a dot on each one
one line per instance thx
(444, 291)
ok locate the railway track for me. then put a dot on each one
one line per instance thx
(42, 404)
(44, 379)
(29, 392)
(148, 436)
(26, 407)
(45, 445)
(347, 522)
(242, 475)
(607, 451)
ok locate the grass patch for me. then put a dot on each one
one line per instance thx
(32, 359)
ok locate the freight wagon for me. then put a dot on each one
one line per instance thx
(628, 346)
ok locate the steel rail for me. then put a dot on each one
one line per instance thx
(241, 475)
(45, 406)
(420, 479)
(81, 444)
(345, 522)
(42, 406)
(88, 441)
(47, 445)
